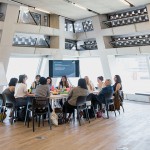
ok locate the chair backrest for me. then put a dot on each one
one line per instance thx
(121, 95)
(1, 98)
(8, 100)
(108, 95)
(40, 102)
(81, 100)
(88, 98)
(1, 102)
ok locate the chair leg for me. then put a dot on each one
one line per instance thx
(119, 112)
(12, 119)
(78, 115)
(74, 115)
(107, 111)
(122, 107)
(65, 114)
(43, 120)
(87, 115)
(28, 118)
(39, 120)
(26, 115)
(50, 124)
(114, 109)
(33, 119)
(93, 110)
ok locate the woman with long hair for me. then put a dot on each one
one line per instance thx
(63, 83)
(117, 88)
(49, 82)
(101, 83)
(70, 104)
(118, 84)
(89, 84)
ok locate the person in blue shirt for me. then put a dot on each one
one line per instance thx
(100, 98)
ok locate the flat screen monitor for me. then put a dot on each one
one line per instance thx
(58, 68)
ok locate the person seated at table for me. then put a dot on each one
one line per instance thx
(63, 83)
(10, 91)
(49, 83)
(42, 90)
(36, 82)
(117, 86)
(89, 84)
(21, 92)
(70, 104)
(100, 84)
(100, 98)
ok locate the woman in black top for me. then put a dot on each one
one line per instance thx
(117, 86)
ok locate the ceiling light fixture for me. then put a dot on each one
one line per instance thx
(20, 3)
(127, 3)
(76, 5)
(39, 9)
(79, 6)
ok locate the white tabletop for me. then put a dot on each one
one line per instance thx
(59, 96)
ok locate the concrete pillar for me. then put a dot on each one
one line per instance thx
(101, 46)
(7, 33)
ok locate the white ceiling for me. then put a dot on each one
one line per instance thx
(108, 6)
(68, 10)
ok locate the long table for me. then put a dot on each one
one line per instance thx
(55, 98)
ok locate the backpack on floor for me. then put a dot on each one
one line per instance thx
(21, 113)
(91, 113)
(59, 113)
(2, 114)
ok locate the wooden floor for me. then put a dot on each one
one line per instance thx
(127, 131)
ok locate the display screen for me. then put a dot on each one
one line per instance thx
(58, 68)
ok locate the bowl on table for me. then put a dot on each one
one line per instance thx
(55, 93)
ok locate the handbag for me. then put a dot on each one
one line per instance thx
(117, 101)
(2, 114)
(99, 114)
(54, 118)
(59, 114)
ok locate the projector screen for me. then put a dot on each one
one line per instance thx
(58, 68)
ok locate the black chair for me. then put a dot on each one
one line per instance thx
(28, 110)
(81, 105)
(121, 96)
(40, 107)
(1, 104)
(10, 104)
(2, 100)
(108, 101)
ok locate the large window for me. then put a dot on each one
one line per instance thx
(92, 68)
(83, 25)
(69, 25)
(18, 66)
(27, 16)
(134, 72)
(31, 40)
